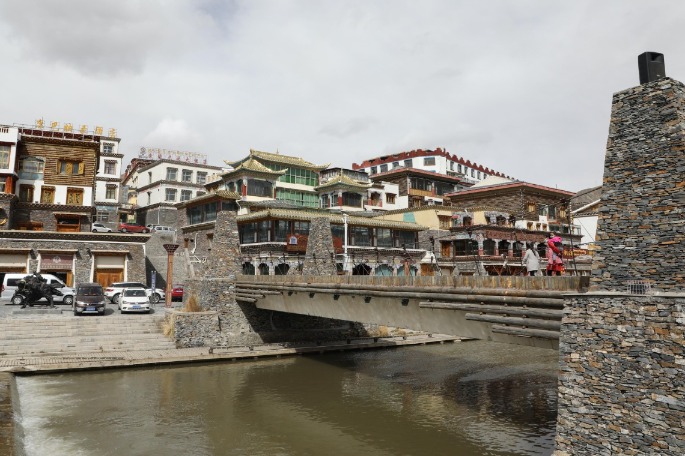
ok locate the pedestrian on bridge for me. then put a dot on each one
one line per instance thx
(531, 260)
(555, 263)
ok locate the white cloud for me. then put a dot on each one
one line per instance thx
(511, 85)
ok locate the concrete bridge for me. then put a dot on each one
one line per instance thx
(516, 309)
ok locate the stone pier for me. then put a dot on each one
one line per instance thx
(224, 320)
(320, 256)
(622, 346)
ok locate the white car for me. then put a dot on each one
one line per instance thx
(97, 227)
(113, 291)
(134, 300)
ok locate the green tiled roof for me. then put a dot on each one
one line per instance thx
(311, 214)
(278, 158)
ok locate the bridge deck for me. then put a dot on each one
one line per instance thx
(512, 309)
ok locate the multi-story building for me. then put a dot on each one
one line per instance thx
(492, 221)
(437, 161)
(55, 179)
(108, 210)
(155, 185)
(264, 175)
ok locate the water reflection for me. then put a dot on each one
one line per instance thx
(473, 398)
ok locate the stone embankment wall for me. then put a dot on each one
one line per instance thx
(621, 388)
(622, 355)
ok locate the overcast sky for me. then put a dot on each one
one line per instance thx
(523, 87)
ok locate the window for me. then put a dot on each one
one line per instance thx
(4, 156)
(170, 194)
(420, 184)
(390, 198)
(75, 196)
(111, 192)
(31, 168)
(186, 195)
(260, 188)
(478, 174)
(201, 177)
(300, 227)
(531, 207)
(296, 197)
(325, 200)
(473, 172)
(110, 167)
(395, 165)
(408, 163)
(107, 148)
(296, 175)
(405, 239)
(69, 167)
(374, 170)
(172, 174)
(351, 199)
(429, 161)
(3, 184)
(384, 168)
(451, 166)
(360, 235)
(200, 193)
(187, 175)
(102, 216)
(383, 237)
(47, 195)
(444, 221)
(26, 193)
(459, 168)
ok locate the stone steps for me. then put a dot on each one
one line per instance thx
(49, 334)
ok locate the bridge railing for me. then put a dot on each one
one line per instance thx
(563, 283)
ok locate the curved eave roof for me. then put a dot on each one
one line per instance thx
(278, 158)
(294, 214)
(253, 166)
(343, 181)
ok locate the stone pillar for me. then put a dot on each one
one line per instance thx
(320, 257)
(496, 251)
(622, 347)
(224, 259)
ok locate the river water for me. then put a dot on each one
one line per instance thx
(469, 398)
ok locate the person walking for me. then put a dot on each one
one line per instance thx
(555, 264)
(531, 260)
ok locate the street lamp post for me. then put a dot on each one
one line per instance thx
(170, 249)
(345, 217)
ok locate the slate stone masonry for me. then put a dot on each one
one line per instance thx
(622, 355)
(320, 256)
(641, 228)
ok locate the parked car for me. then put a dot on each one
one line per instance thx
(126, 227)
(113, 291)
(9, 287)
(97, 227)
(89, 299)
(163, 229)
(134, 300)
(177, 293)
